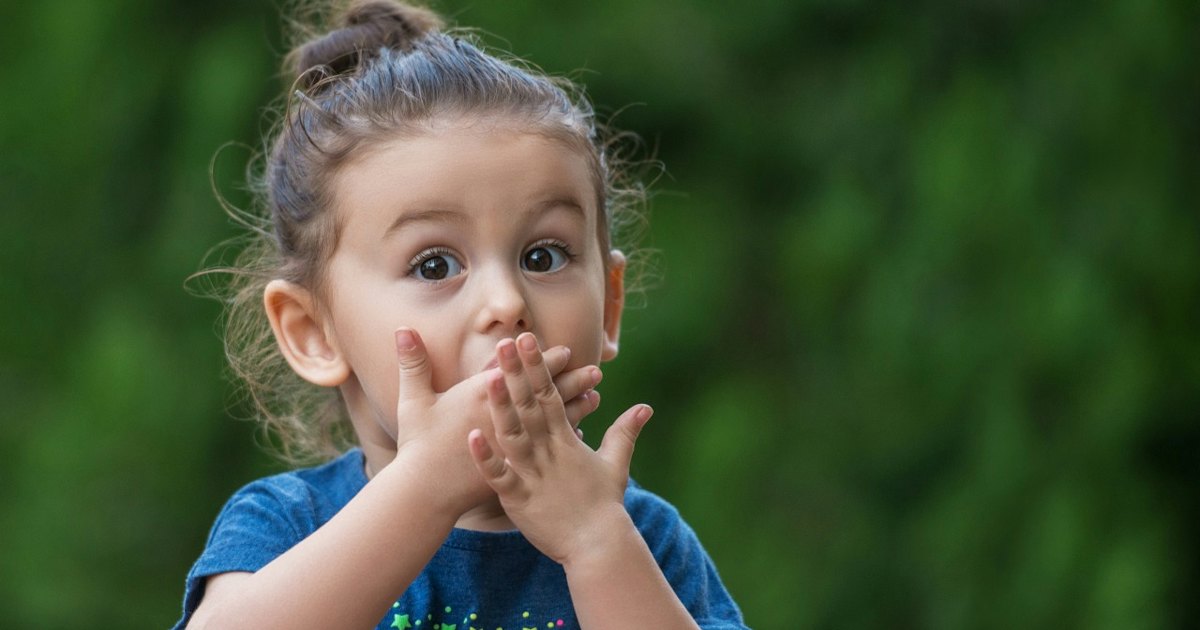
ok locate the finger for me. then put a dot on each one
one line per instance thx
(582, 406)
(510, 433)
(617, 446)
(527, 406)
(578, 381)
(416, 375)
(495, 471)
(552, 413)
(556, 359)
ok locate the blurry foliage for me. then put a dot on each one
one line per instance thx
(923, 354)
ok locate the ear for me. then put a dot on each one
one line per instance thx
(302, 339)
(614, 304)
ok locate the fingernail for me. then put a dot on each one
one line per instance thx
(405, 340)
(527, 342)
(508, 350)
(644, 413)
(596, 375)
(594, 398)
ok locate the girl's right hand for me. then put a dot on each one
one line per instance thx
(432, 427)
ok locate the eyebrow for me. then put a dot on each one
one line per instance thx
(455, 216)
(431, 215)
(558, 202)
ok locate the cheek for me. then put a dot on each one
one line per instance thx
(441, 334)
(374, 364)
(367, 341)
(443, 355)
(579, 327)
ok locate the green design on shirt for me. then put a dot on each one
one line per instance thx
(469, 622)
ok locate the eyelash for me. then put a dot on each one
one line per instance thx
(415, 264)
(553, 242)
(432, 252)
(427, 254)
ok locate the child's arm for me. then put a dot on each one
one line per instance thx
(346, 573)
(567, 499)
(349, 571)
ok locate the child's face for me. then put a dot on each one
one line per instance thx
(468, 236)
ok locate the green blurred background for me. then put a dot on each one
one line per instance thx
(922, 353)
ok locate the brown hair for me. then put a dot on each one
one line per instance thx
(383, 69)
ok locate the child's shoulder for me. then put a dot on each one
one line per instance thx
(310, 496)
(650, 512)
(345, 470)
(676, 549)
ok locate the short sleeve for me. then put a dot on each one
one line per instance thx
(684, 562)
(251, 530)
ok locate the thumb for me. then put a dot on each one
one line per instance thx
(416, 375)
(617, 446)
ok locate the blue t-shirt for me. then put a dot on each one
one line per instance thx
(475, 580)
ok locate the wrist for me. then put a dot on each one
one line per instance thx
(609, 533)
(422, 472)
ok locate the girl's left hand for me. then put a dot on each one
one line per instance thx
(563, 496)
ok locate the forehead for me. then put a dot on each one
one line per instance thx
(482, 171)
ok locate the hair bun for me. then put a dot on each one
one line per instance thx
(365, 27)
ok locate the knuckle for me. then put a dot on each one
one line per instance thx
(527, 405)
(414, 363)
(496, 467)
(512, 431)
(629, 434)
(546, 391)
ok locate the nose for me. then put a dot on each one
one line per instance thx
(503, 306)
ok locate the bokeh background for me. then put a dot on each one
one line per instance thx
(922, 348)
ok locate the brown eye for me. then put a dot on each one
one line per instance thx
(544, 259)
(538, 260)
(435, 265)
(435, 268)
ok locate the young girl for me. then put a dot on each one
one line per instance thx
(439, 256)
